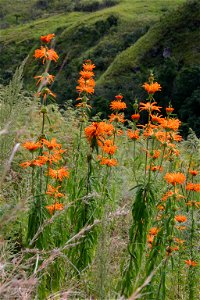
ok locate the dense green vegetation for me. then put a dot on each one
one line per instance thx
(99, 200)
(125, 39)
(93, 210)
(24, 10)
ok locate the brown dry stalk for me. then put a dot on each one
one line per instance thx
(8, 164)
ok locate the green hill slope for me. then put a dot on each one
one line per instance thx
(172, 49)
(125, 41)
(102, 34)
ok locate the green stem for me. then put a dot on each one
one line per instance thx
(161, 161)
(146, 159)
(43, 122)
(104, 232)
(162, 281)
(179, 266)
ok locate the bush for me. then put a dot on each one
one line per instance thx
(87, 6)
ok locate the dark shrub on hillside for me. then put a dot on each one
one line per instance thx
(95, 5)
(87, 6)
(42, 4)
(89, 35)
(109, 3)
(187, 81)
(190, 112)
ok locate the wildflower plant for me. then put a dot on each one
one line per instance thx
(46, 165)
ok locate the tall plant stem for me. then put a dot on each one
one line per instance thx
(179, 262)
(161, 161)
(191, 271)
(43, 122)
(162, 281)
(146, 159)
(103, 238)
(134, 154)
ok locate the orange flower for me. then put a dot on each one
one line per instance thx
(84, 105)
(58, 174)
(135, 117)
(193, 187)
(154, 231)
(46, 92)
(179, 241)
(119, 97)
(156, 168)
(170, 249)
(27, 164)
(150, 238)
(86, 86)
(86, 82)
(174, 178)
(172, 136)
(86, 74)
(167, 195)
(193, 172)
(180, 218)
(55, 156)
(171, 151)
(53, 191)
(176, 248)
(111, 162)
(93, 131)
(169, 110)
(149, 106)
(41, 160)
(160, 207)
(193, 203)
(119, 132)
(45, 78)
(191, 263)
(154, 154)
(170, 124)
(41, 53)
(117, 118)
(52, 208)
(149, 131)
(133, 135)
(117, 105)
(98, 131)
(107, 129)
(152, 87)
(156, 118)
(51, 144)
(46, 54)
(161, 136)
(47, 38)
(181, 227)
(88, 65)
(32, 146)
(108, 147)
(33, 163)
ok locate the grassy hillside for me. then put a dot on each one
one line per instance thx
(99, 36)
(25, 11)
(171, 49)
(124, 40)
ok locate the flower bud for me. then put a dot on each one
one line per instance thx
(43, 110)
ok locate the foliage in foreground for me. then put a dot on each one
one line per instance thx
(95, 208)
